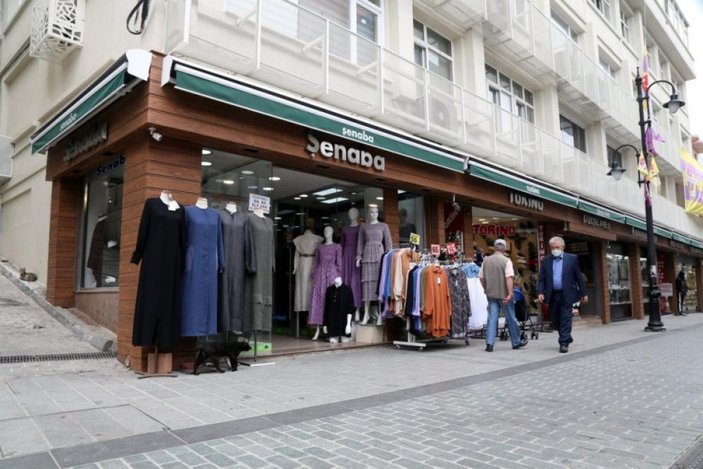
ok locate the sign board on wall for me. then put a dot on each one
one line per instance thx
(259, 202)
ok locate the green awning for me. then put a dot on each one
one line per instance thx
(696, 244)
(636, 222)
(601, 211)
(227, 91)
(664, 233)
(682, 239)
(534, 189)
(129, 70)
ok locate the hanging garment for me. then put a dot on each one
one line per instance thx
(374, 240)
(461, 303)
(327, 266)
(404, 257)
(438, 306)
(351, 274)
(339, 302)
(240, 259)
(204, 259)
(258, 298)
(305, 246)
(95, 253)
(160, 246)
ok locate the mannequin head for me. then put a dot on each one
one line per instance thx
(310, 224)
(372, 213)
(337, 281)
(353, 214)
(328, 232)
(402, 217)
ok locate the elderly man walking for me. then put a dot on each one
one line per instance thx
(496, 276)
(560, 286)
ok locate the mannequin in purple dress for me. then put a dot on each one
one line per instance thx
(326, 267)
(351, 273)
(374, 241)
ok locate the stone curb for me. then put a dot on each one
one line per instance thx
(99, 337)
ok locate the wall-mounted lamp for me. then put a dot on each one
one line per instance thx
(155, 134)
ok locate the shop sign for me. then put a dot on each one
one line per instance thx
(524, 201)
(495, 230)
(435, 250)
(111, 166)
(597, 222)
(451, 249)
(415, 239)
(541, 242)
(350, 154)
(676, 244)
(259, 202)
(96, 135)
(666, 290)
(639, 234)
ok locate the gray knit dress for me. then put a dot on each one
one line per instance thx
(374, 240)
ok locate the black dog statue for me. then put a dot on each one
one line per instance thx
(213, 348)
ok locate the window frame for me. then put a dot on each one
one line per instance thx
(576, 138)
(428, 48)
(515, 101)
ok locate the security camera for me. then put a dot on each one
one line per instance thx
(156, 135)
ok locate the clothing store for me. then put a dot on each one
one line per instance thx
(186, 204)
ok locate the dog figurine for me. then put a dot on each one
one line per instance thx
(214, 348)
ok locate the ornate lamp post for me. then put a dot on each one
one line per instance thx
(673, 105)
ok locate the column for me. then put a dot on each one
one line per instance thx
(601, 253)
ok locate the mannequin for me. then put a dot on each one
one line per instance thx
(305, 246)
(167, 198)
(201, 203)
(327, 266)
(231, 207)
(374, 240)
(339, 305)
(351, 273)
(259, 287)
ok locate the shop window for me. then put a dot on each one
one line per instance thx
(433, 51)
(619, 281)
(572, 134)
(101, 218)
(690, 302)
(411, 217)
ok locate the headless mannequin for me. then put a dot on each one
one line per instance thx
(329, 231)
(347, 329)
(231, 207)
(167, 198)
(373, 219)
(201, 203)
(354, 221)
(259, 212)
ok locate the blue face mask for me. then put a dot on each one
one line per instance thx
(557, 252)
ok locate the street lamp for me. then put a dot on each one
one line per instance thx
(655, 324)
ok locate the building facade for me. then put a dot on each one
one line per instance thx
(462, 121)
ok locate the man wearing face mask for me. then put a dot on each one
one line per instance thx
(560, 286)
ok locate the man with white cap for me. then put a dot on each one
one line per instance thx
(496, 276)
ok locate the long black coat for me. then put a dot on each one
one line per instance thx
(160, 246)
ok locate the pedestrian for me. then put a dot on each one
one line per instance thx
(560, 286)
(681, 289)
(497, 276)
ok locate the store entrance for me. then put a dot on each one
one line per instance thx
(588, 258)
(301, 204)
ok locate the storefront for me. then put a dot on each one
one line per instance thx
(197, 133)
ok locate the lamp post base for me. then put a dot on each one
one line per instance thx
(655, 327)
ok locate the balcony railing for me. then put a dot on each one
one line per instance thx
(284, 45)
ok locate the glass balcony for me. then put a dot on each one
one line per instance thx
(463, 13)
(283, 45)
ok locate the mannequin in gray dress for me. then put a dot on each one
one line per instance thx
(374, 241)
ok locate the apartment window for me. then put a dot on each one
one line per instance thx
(565, 28)
(510, 95)
(572, 134)
(433, 51)
(624, 24)
(607, 68)
(604, 7)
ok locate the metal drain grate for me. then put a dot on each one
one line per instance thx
(693, 458)
(57, 357)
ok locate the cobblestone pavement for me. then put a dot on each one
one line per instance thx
(620, 398)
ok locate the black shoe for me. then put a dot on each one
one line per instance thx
(520, 345)
(489, 348)
(563, 348)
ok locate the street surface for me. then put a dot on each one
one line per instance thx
(620, 398)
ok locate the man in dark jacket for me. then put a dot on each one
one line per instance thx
(681, 290)
(560, 286)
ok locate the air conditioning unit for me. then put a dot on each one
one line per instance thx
(57, 28)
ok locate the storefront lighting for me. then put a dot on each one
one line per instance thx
(373, 205)
(296, 198)
(247, 172)
(206, 152)
(276, 218)
(330, 191)
(252, 187)
(300, 213)
(401, 191)
(274, 178)
(379, 198)
(268, 188)
(320, 198)
(303, 196)
(229, 182)
(206, 163)
(673, 105)
(335, 200)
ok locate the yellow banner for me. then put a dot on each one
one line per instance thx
(692, 183)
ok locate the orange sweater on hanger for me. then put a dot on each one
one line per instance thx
(438, 306)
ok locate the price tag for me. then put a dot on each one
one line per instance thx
(259, 202)
(451, 248)
(415, 239)
(434, 249)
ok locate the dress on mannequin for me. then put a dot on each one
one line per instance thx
(374, 240)
(259, 287)
(160, 247)
(305, 246)
(351, 274)
(240, 259)
(327, 266)
(204, 259)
